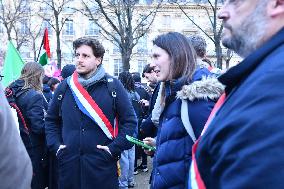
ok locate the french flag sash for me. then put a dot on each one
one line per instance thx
(90, 108)
(196, 181)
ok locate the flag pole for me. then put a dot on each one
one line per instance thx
(40, 49)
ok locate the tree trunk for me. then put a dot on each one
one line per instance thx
(58, 49)
(125, 57)
(34, 50)
(218, 50)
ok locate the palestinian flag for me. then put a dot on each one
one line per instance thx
(43, 60)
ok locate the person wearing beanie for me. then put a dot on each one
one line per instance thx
(67, 70)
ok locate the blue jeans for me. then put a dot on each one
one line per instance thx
(127, 168)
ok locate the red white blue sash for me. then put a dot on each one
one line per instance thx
(195, 177)
(90, 108)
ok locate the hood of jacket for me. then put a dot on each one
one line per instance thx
(17, 86)
(206, 88)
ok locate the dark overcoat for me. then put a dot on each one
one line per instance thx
(81, 163)
(243, 146)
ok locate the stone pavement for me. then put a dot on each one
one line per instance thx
(142, 179)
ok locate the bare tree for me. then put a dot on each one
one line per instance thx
(123, 22)
(210, 7)
(12, 15)
(56, 20)
(228, 57)
(34, 33)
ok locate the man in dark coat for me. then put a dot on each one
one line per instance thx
(243, 144)
(87, 122)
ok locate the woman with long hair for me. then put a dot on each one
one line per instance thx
(29, 99)
(174, 61)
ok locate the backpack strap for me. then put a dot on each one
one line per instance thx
(112, 90)
(185, 120)
(61, 93)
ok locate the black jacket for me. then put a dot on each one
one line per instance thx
(81, 163)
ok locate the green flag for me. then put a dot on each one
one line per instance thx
(13, 65)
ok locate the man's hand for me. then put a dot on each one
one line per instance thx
(104, 148)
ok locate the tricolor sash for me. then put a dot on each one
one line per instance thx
(90, 108)
(196, 181)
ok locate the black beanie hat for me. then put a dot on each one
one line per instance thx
(68, 70)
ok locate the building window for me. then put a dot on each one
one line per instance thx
(188, 21)
(24, 29)
(142, 45)
(141, 65)
(93, 28)
(117, 65)
(24, 6)
(167, 21)
(69, 28)
(116, 47)
(146, 2)
(46, 24)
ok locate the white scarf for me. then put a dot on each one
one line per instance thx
(159, 105)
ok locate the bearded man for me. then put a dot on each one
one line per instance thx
(242, 145)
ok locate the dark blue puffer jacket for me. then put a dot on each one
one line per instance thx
(173, 154)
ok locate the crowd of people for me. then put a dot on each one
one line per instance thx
(209, 130)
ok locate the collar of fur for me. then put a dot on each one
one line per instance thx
(207, 88)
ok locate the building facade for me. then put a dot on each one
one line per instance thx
(168, 18)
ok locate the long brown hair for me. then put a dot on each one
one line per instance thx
(32, 74)
(181, 52)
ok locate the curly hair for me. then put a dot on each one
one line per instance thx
(199, 45)
(97, 47)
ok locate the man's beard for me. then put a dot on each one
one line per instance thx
(247, 38)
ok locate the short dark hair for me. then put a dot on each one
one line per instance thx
(136, 77)
(53, 81)
(45, 79)
(127, 80)
(181, 52)
(147, 69)
(97, 47)
(199, 45)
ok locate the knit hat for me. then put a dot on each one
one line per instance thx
(68, 70)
